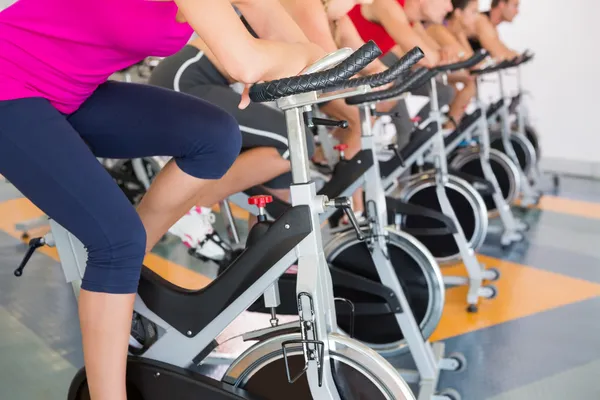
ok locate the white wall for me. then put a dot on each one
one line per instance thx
(563, 78)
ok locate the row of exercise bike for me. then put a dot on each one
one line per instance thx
(373, 292)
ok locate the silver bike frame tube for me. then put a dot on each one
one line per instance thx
(528, 192)
(506, 216)
(313, 276)
(420, 349)
(474, 269)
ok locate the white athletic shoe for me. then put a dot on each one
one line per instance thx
(195, 229)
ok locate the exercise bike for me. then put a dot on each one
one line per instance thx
(463, 190)
(357, 258)
(479, 159)
(325, 364)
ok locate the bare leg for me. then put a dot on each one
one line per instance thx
(105, 326)
(461, 101)
(252, 167)
(170, 196)
(106, 318)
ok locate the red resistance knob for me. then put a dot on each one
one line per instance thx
(341, 147)
(260, 201)
(416, 120)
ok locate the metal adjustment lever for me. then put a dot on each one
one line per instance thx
(34, 244)
(346, 204)
(261, 202)
(341, 147)
(311, 121)
(330, 122)
(394, 147)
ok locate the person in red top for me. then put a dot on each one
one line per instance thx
(396, 26)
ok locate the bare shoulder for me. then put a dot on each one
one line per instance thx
(483, 25)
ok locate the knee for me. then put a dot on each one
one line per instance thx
(115, 257)
(214, 148)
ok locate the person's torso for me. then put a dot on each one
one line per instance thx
(369, 30)
(63, 49)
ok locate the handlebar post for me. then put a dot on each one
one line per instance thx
(501, 83)
(484, 136)
(297, 143)
(365, 120)
(439, 148)
(519, 79)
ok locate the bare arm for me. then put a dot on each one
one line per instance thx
(346, 35)
(489, 39)
(457, 46)
(420, 30)
(311, 17)
(270, 21)
(392, 17)
(234, 46)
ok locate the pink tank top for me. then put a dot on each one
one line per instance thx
(62, 50)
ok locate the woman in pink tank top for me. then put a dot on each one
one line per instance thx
(58, 113)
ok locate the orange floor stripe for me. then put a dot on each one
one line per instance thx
(21, 209)
(522, 291)
(563, 205)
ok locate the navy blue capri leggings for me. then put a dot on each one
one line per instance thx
(51, 158)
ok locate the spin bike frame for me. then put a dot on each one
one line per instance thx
(476, 272)
(529, 195)
(179, 347)
(523, 120)
(429, 358)
(513, 227)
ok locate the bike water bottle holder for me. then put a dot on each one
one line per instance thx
(308, 333)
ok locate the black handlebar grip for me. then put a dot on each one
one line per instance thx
(416, 77)
(475, 59)
(273, 90)
(395, 71)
